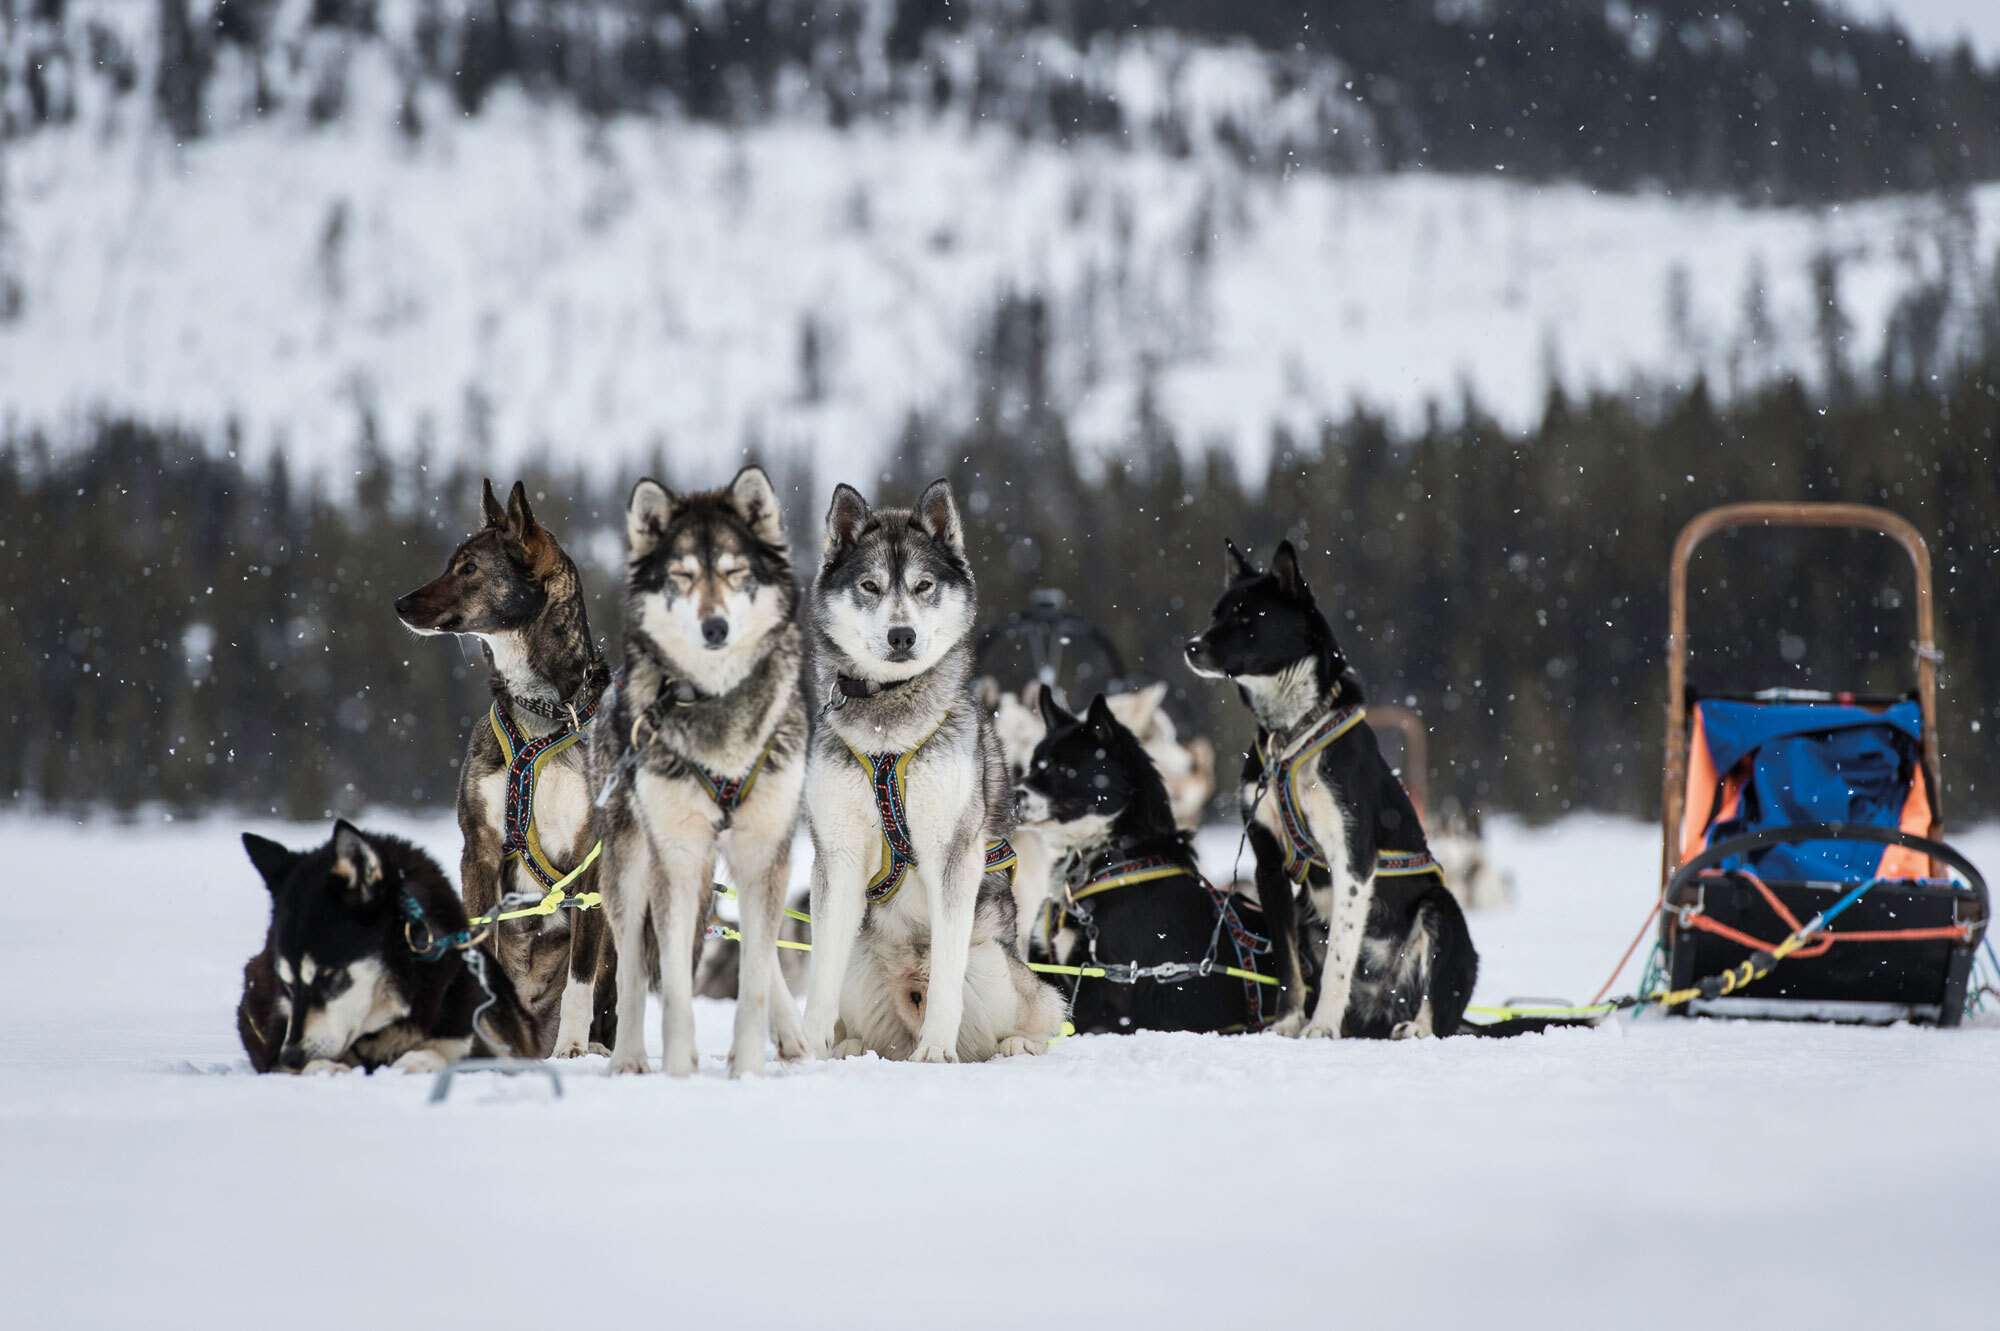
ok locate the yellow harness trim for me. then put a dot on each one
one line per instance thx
(896, 864)
(549, 873)
(1128, 879)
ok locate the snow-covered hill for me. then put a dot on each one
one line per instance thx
(531, 281)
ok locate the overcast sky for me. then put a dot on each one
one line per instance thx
(1942, 21)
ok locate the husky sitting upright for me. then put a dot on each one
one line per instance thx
(701, 750)
(1134, 895)
(522, 804)
(914, 947)
(355, 970)
(1324, 810)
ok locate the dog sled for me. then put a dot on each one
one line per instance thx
(1803, 875)
(1050, 645)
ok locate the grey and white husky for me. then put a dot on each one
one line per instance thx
(699, 751)
(915, 951)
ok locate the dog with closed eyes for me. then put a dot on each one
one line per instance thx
(699, 752)
(915, 952)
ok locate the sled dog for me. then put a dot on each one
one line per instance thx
(355, 972)
(915, 952)
(1324, 811)
(523, 807)
(1186, 768)
(700, 752)
(1132, 893)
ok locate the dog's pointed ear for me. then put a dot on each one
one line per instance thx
(751, 495)
(937, 514)
(845, 517)
(273, 861)
(1149, 700)
(1103, 724)
(356, 861)
(1285, 567)
(1239, 567)
(1052, 711)
(520, 518)
(490, 505)
(647, 513)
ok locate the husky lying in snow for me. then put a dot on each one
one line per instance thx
(338, 984)
(1134, 895)
(700, 752)
(522, 804)
(1324, 810)
(915, 954)
(1187, 769)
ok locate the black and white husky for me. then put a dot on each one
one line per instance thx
(523, 806)
(700, 751)
(1133, 895)
(357, 969)
(1324, 810)
(915, 950)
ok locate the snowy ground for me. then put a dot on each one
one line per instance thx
(1650, 1174)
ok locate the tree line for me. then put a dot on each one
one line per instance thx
(197, 632)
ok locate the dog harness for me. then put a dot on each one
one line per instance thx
(1127, 873)
(1302, 853)
(887, 773)
(729, 794)
(525, 760)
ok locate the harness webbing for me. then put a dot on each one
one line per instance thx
(1302, 853)
(728, 794)
(1128, 873)
(525, 759)
(887, 773)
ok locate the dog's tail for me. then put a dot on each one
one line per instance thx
(1512, 1026)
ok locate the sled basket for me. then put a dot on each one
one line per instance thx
(1779, 805)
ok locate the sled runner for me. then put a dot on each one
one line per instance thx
(1783, 806)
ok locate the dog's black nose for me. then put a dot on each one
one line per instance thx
(714, 630)
(902, 638)
(403, 606)
(292, 1057)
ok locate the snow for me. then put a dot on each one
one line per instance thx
(533, 284)
(1647, 1174)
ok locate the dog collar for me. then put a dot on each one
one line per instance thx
(851, 687)
(578, 708)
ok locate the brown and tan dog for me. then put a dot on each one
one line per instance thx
(523, 804)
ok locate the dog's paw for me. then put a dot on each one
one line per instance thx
(681, 1065)
(604, 1050)
(1320, 1030)
(821, 1044)
(420, 1061)
(848, 1048)
(322, 1067)
(1409, 1030)
(751, 1064)
(573, 1048)
(791, 1046)
(629, 1064)
(930, 1051)
(1022, 1044)
(1288, 1025)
